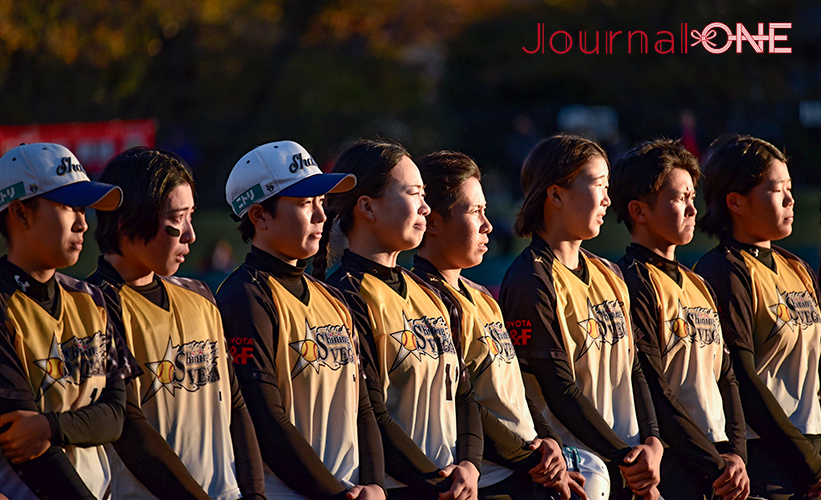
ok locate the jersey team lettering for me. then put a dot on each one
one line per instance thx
(604, 324)
(697, 325)
(423, 336)
(498, 345)
(328, 346)
(187, 366)
(794, 309)
(73, 361)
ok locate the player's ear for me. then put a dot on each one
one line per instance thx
(736, 203)
(435, 221)
(257, 216)
(364, 205)
(20, 213)
(554, 196)
(638, 211)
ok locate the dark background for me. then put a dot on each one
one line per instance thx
(220, 76)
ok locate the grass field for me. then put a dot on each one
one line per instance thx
(215, 225)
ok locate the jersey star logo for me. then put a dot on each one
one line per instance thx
(680, 329)
(408, 343)
(593, 330)
(54, 366)
(308, 351)
(604, 324)
(783, 314)
(494, 339)
(163, 371)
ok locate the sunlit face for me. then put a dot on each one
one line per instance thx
(766, 212)
(463, 237)
(585, 201)
(399, 213)
(55, 235)
(296, 228)
(672, 219)
(164, 253)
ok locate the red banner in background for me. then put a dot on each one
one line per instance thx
(93, 143)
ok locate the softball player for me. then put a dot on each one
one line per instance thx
(516, 454)
(419, 393)
(768, 304)
(187, 433)
(292, 337)
(570, 318)
(62, 379)
(682, 352)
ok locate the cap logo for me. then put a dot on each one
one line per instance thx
(247, 198)
(12, 192)
(298, 163)
(67, 166)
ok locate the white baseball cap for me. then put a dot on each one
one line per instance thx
(281, 168)
(53, 172)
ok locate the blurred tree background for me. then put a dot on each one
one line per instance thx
(221, 76)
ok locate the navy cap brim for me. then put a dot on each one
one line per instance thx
(105, 197)
(319, 184)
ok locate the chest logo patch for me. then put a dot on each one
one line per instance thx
(73, 361)
(187, 366)
(328, 346)
(604, 324)
(793, 309)
(693, 325)
(498, 344)
(422, 337)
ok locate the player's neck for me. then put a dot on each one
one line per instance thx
(367, 245)
(566, 251)
(433, 254)
(31, 268)
(133, 273)
(652, 243)
(744, 237)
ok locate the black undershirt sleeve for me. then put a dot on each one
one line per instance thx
(675, 424)
(735, 426)
(543, 429)
(98, 423)
(248, 313)
(645, 411)
(404, 460)
(247, 458)
(565, 399)
(503, 446)
(283, 448)
(51, 475)
(469, 438)
(529, 304)
(787, 443)
(732, 284)
(371, 456)
(151, 460)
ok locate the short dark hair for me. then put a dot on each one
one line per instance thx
(556, 160)
(641, 172)
(246, 228)
(443, 173)
(147, 177)
(736, 164)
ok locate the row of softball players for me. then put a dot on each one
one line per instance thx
(121, 386)
(418, 366)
